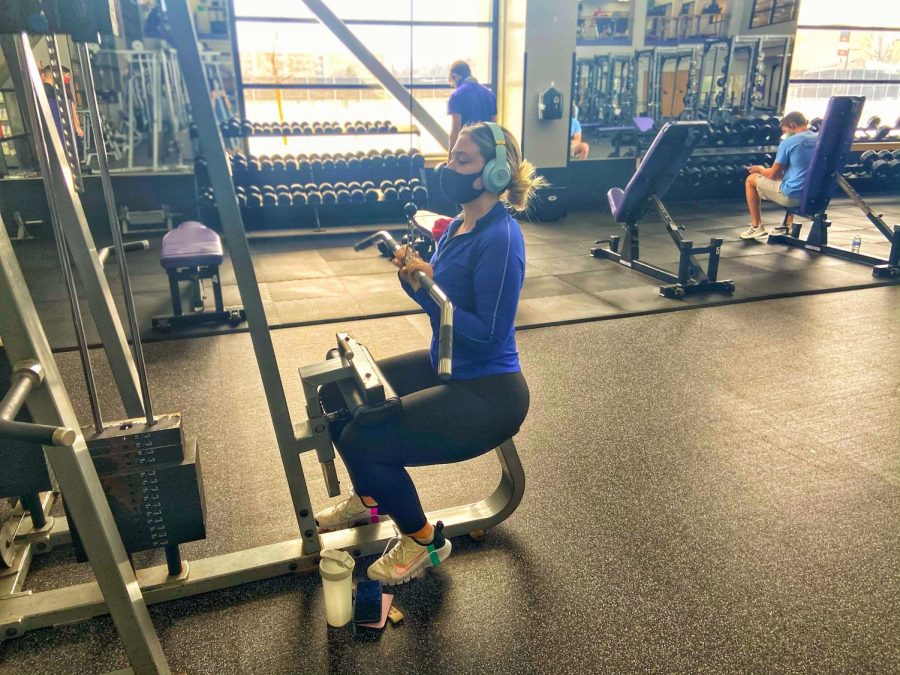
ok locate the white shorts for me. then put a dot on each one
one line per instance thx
(771, 190)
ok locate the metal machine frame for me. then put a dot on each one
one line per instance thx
(119, 590)
(691, 279)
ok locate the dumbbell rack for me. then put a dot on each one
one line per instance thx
(719, 172)
(287, 192)
(236, 128)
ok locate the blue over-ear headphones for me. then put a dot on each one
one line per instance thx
(496, 174)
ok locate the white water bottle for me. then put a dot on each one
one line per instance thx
(336, 569)
(857, 242)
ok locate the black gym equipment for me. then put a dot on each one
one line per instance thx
(666, 157)
(829, 157)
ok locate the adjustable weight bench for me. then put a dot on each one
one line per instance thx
(193, 252)
(829, 158)
(666, 156)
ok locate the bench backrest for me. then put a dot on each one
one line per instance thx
(666, 156)
(830, 155)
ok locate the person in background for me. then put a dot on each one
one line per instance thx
(470, 101)
(782, 182)
(70, 92)
(577, 147)
(50, 91)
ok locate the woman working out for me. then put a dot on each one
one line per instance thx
(479, 263)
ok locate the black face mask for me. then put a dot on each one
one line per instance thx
(458, 187)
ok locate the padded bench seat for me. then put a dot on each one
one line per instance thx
(191, 244)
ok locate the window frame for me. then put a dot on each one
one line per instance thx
(771, 10)
(242, 86)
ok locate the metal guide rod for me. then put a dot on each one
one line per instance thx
(111, 212)
(184, 38)
(62, 250)
(24, 340)
(58, 186)
(330, 20)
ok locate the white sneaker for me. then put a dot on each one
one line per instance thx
(409, 559)
(349, 513)
(754, 232)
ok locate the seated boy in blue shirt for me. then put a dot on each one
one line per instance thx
(579, 149)
(781, 183)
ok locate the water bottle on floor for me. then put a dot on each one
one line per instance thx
(857, 242)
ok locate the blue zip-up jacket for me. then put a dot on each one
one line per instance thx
(482, 273)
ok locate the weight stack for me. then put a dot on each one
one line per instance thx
(152, 481)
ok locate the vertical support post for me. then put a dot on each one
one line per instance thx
(156, 107)
(184, 38)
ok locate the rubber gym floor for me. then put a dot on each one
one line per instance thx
(708, 491)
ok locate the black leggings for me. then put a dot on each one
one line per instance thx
(440, 423)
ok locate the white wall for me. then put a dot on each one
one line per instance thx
(549, 47)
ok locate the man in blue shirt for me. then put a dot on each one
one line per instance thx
(470, 102)
(578, 147)
(783, 182)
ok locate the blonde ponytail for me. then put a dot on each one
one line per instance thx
(523, 186)
(525, 181)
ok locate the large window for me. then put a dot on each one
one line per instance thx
(294, 69)
(770, 12)
(839, 53)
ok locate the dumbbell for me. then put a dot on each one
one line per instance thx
(317, 128)
(343, 196)
(385, 184)
(866, 160)
(329, 197)
(305, 129)
(353, 165)
(371, 195)
(404, 161)
(390, 160)
(269, 198)
(420, 194)
(340, 165)
(357, 196)
(376, 160)
(206, 199)
(405, 193)
(418, 160)
(284, 199)
(254, 199)
(313, 197)
(390, 194)
(326, 187)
